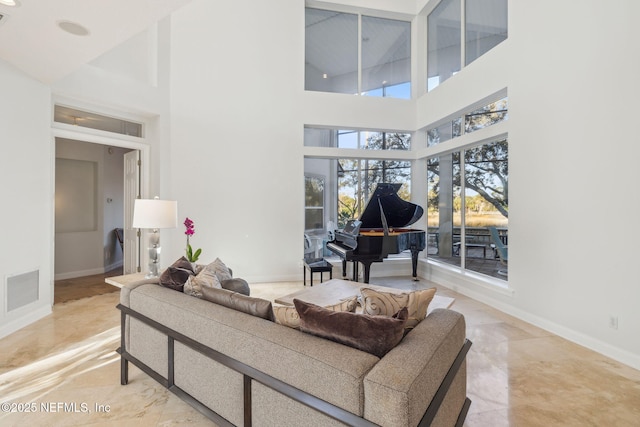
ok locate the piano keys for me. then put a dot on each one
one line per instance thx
(380, 231)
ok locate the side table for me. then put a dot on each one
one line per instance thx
(316, 265)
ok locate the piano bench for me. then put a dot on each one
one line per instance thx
(316, 265)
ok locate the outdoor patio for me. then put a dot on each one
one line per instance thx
(481, 255)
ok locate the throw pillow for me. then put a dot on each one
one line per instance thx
(174, 278)
(222, 271)
(206, 277)
(374, 334)
(287, 315)
(236, 285)
(183, 262)
(377, 302)
(177, 274)
(254, 306)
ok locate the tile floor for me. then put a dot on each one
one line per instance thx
(64, 370)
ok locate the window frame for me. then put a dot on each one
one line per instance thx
(360, 13)
(322, 197)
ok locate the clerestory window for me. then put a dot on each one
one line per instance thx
(357, 54)
(482, 25)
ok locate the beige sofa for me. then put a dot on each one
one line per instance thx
(243, 370)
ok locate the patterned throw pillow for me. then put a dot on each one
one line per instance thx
(287, 315)
(206, 277)
(388, 303)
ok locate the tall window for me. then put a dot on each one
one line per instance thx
(331, 51)
(468, 194)
(482, 26)
(357, 180)
(332, 62)
(386, 58)
(313, 203)
(485, 26)
(443, 42)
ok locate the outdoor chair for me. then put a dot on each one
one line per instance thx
(501, 249)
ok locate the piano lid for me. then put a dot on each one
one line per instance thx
(399, 213)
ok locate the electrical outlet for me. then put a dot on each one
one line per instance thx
(613, 321)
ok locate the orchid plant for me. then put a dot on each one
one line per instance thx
(191, 256)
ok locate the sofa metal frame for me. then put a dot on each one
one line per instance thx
(250, 374)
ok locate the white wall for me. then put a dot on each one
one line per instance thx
(26, 170)
(572, 236)
(236, 133)
(573, 96)
(78, 251)
(83, 252)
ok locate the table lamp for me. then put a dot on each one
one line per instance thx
(154, 214)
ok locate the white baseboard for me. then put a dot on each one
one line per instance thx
(80, 273)
(25, 320)
(113, 266)
(481, 290)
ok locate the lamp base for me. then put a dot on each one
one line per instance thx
(151, 275)
(154, 255)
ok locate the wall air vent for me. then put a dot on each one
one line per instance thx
(22, 289)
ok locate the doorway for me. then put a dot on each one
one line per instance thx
(89, 208)
(101, 160)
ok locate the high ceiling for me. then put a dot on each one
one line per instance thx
(31, 38)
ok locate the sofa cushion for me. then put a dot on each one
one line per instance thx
(287, 315)
(255, 306)
(373, 334)
(376, 302)
(205, 278)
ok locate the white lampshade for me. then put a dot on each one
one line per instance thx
(155, 213)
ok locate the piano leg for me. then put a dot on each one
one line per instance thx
(414, 264)
(344, 268)
(366, 264)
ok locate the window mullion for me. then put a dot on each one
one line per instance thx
(463, 33)
(359, 54)
(463, 222)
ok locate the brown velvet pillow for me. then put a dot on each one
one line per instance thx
(254, 306)
(184, 263)
(373, 334)
(177, 274)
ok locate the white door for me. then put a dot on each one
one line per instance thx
(131, 192)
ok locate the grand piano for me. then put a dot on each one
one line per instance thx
(379, 232)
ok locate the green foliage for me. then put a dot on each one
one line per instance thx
(193, 256)
(486, 173)
(358, 178)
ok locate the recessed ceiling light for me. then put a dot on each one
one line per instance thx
(72, 28)
(9, 2)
